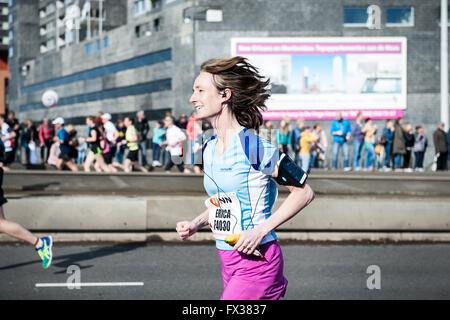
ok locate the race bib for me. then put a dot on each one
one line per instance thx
(224, 214)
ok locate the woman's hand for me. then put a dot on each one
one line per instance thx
(249, 240)
(186, 229)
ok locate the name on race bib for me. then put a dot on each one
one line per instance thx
(224, 214)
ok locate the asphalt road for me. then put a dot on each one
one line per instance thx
(169, 271)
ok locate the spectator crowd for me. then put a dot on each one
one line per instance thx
(122, 145)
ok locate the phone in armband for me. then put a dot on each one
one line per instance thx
(289, 174)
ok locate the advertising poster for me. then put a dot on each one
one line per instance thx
(312, 78)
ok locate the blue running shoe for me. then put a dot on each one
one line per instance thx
(45, 252)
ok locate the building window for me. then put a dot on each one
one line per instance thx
(5, 11)
(11, 34)
(156, 4)
(10, 18)
(400, 17)
(140, 6)
(5, 26)
(50, 9)
(143, 30)
(10, 3)
(439, 17)
(5, 40)
(88, 48)
(50, 26)
(10, 52)
(50, 44)
(157, 24)
(355, 17)
(105, 42)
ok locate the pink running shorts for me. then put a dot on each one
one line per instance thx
(247, 277)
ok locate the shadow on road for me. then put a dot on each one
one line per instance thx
(75, 259)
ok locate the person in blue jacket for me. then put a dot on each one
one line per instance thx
(340, 131)
(388, 133)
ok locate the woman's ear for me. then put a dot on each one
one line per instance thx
(226, 94)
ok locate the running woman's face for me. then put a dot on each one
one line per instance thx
(207, 100)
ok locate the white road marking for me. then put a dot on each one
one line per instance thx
(88, 284)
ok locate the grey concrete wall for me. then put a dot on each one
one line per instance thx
(161, 213)
(152, 202)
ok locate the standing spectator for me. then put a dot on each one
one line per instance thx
(319, 149)
(142, 128)
(2, 150)
(283, 135)
(111, 134)
(399, 146)
(157, 140)
(182, 121)
(46, 132)
(369, 130)
(8, 137)
(29, 137)
(388, 134)
(15, 126)
(131, 141)
(357, 141)
(174, 139)
(295, 139)
(441, 147)
(120, 126)
(267, 132)
(64, 140)
(81, 151)
(341, 132)
(420, 146)
(74, 141)
(448, 148)
(380, 152)
(409, 145)
(306, 139)
(193, 131)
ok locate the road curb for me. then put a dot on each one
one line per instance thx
(172, 237)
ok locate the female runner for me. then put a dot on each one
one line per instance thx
(239, 167)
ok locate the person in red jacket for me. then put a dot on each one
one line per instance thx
(193, 131)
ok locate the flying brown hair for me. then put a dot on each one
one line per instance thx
(249, 90)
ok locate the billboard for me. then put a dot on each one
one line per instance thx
(312, 78)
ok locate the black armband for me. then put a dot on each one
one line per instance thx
(289, 174)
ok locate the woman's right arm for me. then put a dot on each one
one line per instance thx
(186, 229)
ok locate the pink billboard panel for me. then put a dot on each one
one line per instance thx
(316, 76)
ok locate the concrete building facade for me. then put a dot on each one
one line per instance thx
(150, 52)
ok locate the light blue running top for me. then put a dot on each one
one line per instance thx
(245, 167)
